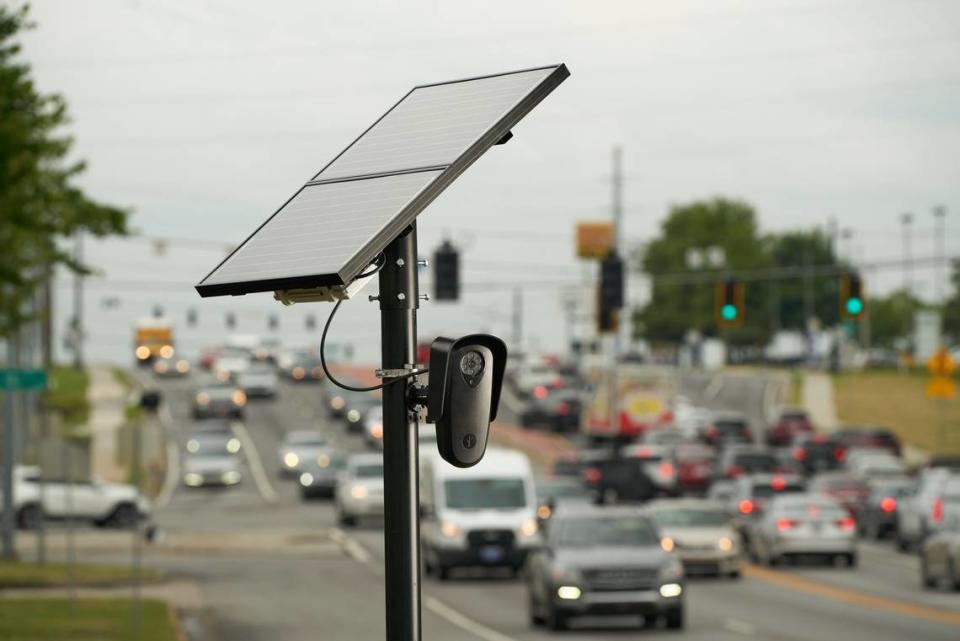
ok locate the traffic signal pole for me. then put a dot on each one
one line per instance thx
(617, 199)
(399, 298)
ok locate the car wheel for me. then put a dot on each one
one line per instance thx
(925, 578)
(556, 620)
(735, 574)
(536, 619)
(124, 516)
(609, 496)
(675, 618)
(346, 520)
(29, 517)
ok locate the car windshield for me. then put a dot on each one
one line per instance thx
(690, 518)
(369, 471)
(604, 531)
(209, 447)
(485, 494)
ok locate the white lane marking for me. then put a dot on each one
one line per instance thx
(253, 460)
(714, 387)
(769, 401)
(740, 627)
(462, 621)
(173, 457)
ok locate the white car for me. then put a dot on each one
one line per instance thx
(804, 525)
(359, 490)
(104, 504)
(258, 382)
(920, 515)
(700, 534)
(373, 427)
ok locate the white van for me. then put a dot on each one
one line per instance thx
(483, 515)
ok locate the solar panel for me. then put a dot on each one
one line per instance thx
(336, 223)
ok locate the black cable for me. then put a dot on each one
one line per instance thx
(323, 360)
(378, 264)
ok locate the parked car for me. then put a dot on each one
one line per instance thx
(878, 518)
(103, 504)
(219, 401)
(700, 533)
(359, 489)
(847, 490)
(728, 428)
(211, 459)
(481, 516)
(940, 555)
(598, 561)
(299, 448)
(804, 525)
(790, 423)
(318, 475)
(921, 514)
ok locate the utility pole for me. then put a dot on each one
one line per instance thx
(939, 250)
(617, 207)
(78, 304)
(906, 219)
(9, 447)
(46, 362)
(808, 308)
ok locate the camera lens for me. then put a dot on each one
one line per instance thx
(471, 363)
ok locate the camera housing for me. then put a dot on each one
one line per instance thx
(466, 375)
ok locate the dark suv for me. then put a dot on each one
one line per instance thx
(604, 561)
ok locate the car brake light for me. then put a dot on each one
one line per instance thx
(938, 510)
(778, 483)
(642, 452)
(592, 475)
(540, 391)
(563, 409)
(888, 504)
(799, 454)
(557, 383)
(847, 523)
(786, 524)
(712, 431)
(734, 471)
(666, 469)
(840, 454)
(746, 506)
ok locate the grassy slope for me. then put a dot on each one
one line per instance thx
(898, 401)
(19, 574)
(68, 394)
(92, 620)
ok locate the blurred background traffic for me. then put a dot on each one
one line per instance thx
(722, 258)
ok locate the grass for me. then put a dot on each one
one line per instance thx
(795, 391)
(89, 620)
(31, 575)
(899, 402)
(68, 394)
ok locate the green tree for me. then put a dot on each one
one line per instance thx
(39, 204)
(891, 317)
(951, 307)
(798, 249)
(682, 298)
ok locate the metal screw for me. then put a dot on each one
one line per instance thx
(423, 262)
(373, 297)
(401, 296)
(424, 296)
(400, 262)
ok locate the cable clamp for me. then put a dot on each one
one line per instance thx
(401, 372)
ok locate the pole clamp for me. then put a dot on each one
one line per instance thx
(406, 370)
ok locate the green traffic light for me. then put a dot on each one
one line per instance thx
(854, 306)
(728, 312)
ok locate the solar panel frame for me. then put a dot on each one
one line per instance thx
(406, 216)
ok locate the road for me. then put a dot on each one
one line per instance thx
(270, 567)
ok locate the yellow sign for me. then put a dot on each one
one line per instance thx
(594, 239)
(941, 387)
(941, 363)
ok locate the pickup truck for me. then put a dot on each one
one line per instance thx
(104, 504)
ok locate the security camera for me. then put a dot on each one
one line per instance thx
(466, 375)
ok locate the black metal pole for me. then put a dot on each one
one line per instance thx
(399, 296)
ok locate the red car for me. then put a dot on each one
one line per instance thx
(694, 464)
(790, 423)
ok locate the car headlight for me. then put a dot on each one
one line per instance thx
(193, 446)
(353, 416)
(376, 430)
(667, 544)
(192, 479)
(670, 590)
(359, 492)
(233, 445)
(306, 479)
(323, 460)
(450, 530)
(239, 398)
(203, 399)
(337, 402)
(569, 592)
(230, 477)
(166, 351)
(183, 366)
(725, 544)
(143, 352)
(528, 528)
(290, 459)
(160, 367)
(671, 570)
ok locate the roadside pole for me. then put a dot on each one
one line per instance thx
(399, 299)
(136, 550)
(614, 411)
(9, 445)
(65, 463)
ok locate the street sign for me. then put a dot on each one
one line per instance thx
(941, 363)
(22, 379)
(594, 239)
(941, 387)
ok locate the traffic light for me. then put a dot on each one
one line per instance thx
(273, 322)
(231, 320)
(611, 282)
(311, 322)
(608, 318)
(729, 308)
(853, 303)
(191, 317)
(446, 272)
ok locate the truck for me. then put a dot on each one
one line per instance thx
(152, 338)
(643, 401)
(103, 504)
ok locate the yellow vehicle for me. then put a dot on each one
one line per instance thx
(643, 401)
(152, 339)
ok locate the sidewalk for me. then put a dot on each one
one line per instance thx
(817, 395)
(108, 400)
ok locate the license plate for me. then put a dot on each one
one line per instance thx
(491, 553)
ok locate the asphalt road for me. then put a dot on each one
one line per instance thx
(270, 567)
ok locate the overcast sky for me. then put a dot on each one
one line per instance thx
(205, 115)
